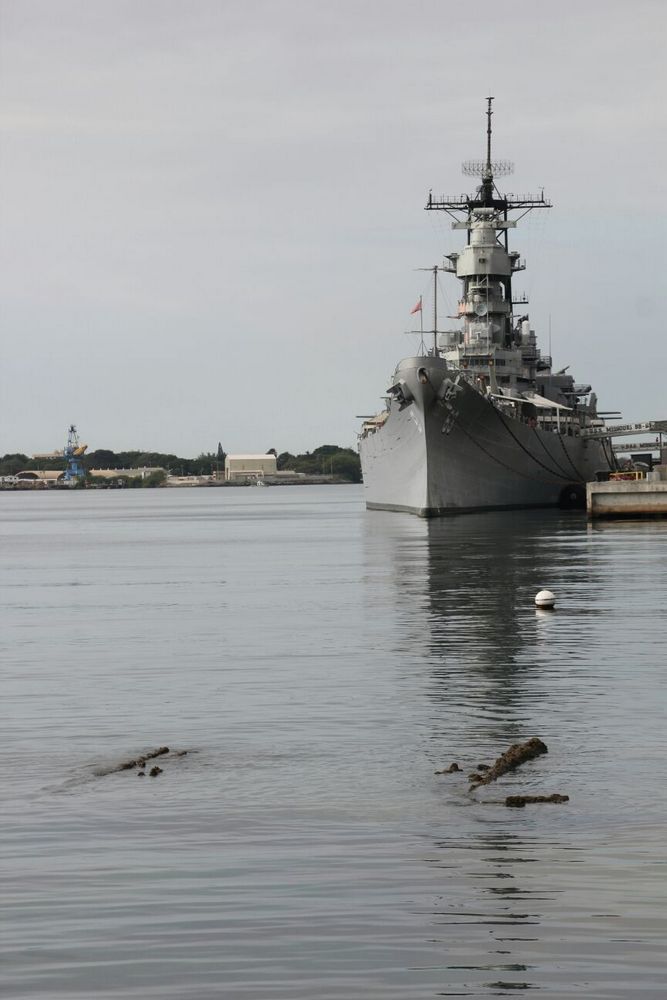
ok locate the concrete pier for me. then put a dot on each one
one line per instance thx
(627, 498)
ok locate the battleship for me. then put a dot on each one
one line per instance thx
(479, 420)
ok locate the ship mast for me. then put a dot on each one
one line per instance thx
(487, 177)
(434, 271)
(435, 310)
(487, 194)
(486, 265)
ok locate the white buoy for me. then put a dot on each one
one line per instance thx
(545, 599)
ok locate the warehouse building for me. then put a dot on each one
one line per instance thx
(143, 472)
(47, 476)
(239, 467)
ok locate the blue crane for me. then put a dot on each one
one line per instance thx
(73, 454)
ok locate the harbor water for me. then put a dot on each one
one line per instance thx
(319, 663)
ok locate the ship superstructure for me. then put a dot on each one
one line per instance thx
(489, 424)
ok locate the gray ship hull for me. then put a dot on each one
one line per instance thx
(450, 450)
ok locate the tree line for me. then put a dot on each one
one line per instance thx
(328, 459)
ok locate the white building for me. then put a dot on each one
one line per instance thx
(47, 476)
(143, 472)
(249, 466)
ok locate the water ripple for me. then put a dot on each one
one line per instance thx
(324, 663)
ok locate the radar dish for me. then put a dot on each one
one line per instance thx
(478, 168)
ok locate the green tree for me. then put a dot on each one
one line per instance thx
(103, 458)
(347, 465)
(156, 478)
(11, 464)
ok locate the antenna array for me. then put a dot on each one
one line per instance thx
(479, 168)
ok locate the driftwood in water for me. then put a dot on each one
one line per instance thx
(519, 801)
(127, 765)
(449, 770)
(517, 754)
(139, 763)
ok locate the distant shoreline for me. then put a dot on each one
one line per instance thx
(32, 486)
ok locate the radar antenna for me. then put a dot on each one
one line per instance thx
(488, 169)
(461, 207)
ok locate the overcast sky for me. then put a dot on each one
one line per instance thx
(211, 211)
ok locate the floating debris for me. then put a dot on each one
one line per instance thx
(138, 762)
(154, 771)
(129, 765)
(517, 754)
(141, 774)
(519, 801)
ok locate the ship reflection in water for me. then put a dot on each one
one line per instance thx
(464, 593)
(535, 898)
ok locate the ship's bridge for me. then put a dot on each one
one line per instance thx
(483, 255)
